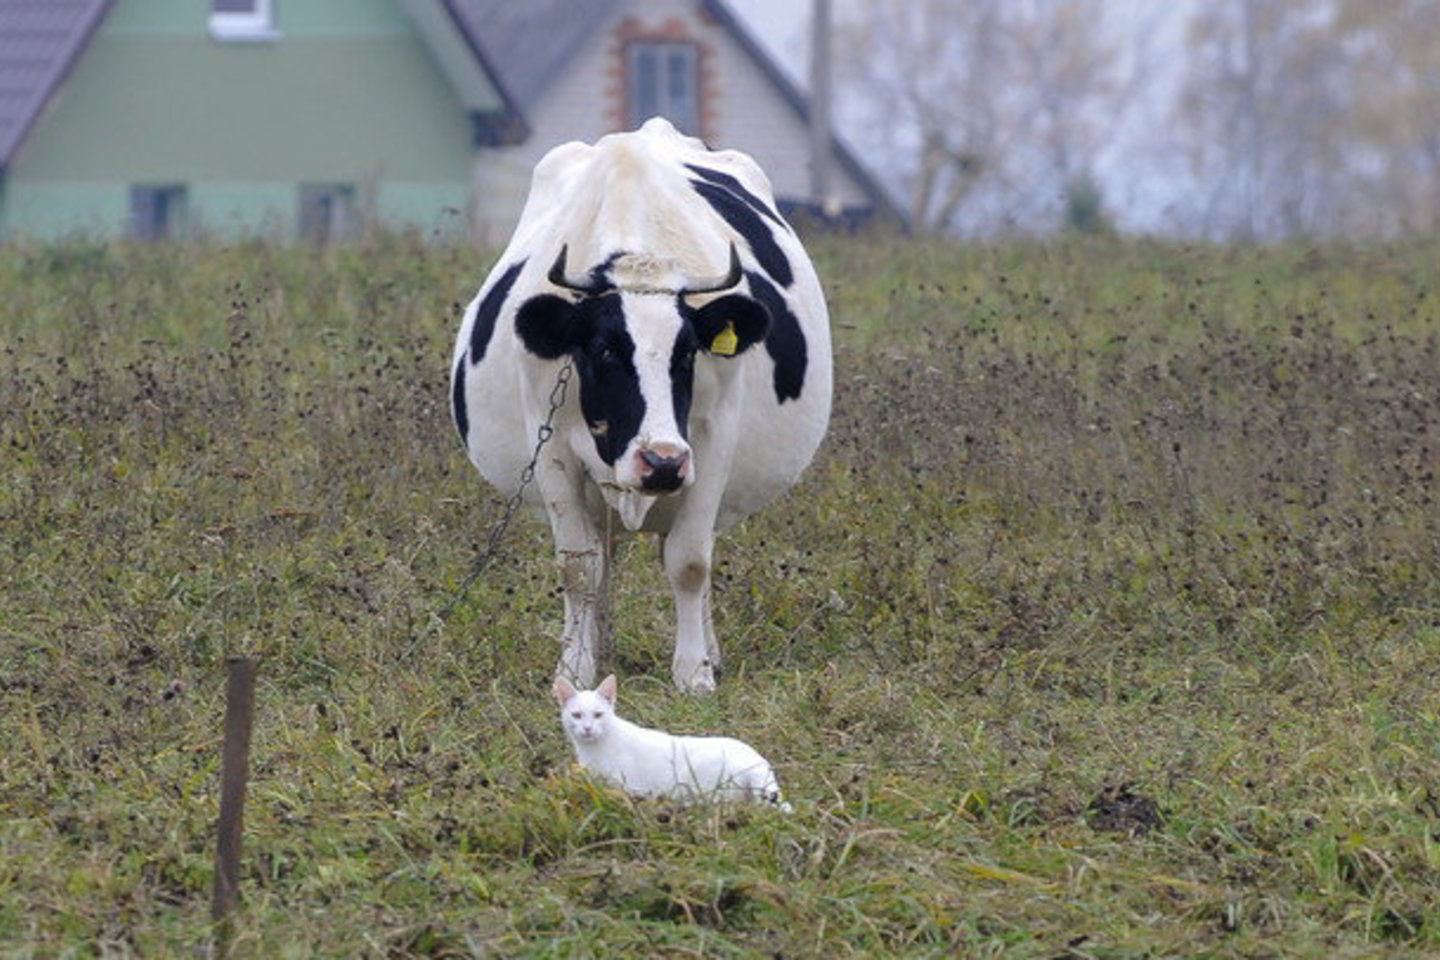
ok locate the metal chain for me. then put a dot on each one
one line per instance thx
(512, 505)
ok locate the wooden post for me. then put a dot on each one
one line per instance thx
(239, 717)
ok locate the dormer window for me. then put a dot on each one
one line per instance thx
(243, 20)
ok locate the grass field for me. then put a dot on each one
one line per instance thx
(1106, 623)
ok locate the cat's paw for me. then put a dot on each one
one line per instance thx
(774, 799)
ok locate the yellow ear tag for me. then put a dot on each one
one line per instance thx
(725, 342)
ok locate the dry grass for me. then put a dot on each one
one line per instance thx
(1104, 626)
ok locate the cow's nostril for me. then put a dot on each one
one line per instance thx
(658, 462)
(661, 473)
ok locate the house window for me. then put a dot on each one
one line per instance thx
(242, 20)
(664, 81)
(157, 211)
(327, 211)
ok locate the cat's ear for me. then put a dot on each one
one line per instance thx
(607, 689)
(563, 690)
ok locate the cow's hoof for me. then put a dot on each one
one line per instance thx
(699, 679)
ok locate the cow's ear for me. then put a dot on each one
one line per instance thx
(730, 325)
(548, 325)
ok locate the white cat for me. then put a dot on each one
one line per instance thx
(649, 762)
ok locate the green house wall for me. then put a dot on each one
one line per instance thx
(348, 93)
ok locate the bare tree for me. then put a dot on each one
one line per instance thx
(1393, 53)
(990, 106)
(1297, 118)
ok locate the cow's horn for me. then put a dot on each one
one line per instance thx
(557, 277)
(716, 284)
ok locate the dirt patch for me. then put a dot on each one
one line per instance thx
(1119, 809)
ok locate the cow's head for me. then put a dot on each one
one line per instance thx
(634, 344)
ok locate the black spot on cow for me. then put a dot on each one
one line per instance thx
(748, 224)
(489, 309)
(457, 402)
(682, 374)
(593, 333)
(721, 179)
(784, 341)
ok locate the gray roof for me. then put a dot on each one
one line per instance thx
(531, 43)
(39, 41)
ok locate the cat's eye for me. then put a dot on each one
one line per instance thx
(577, 714)
(599, 715)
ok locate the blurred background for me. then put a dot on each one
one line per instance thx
(1223, 120)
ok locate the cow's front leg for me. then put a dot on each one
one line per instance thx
(585, 581)
(687, 564)
(581, 555)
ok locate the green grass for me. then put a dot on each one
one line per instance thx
(1106, 624)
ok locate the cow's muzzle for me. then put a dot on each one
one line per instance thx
(662, 469)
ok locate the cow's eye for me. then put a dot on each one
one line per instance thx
(608, 356)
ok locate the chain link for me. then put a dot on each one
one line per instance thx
(512, 505)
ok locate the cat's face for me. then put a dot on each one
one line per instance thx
(586, 716)
(585, 713)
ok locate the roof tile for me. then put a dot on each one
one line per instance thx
(39, 40)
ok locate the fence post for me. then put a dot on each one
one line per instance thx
(239, 717)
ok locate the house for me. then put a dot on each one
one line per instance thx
(580, 70)
(289, 117)
(304, 118)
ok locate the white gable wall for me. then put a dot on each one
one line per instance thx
(740, 109)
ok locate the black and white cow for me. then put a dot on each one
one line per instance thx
(701, 345)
